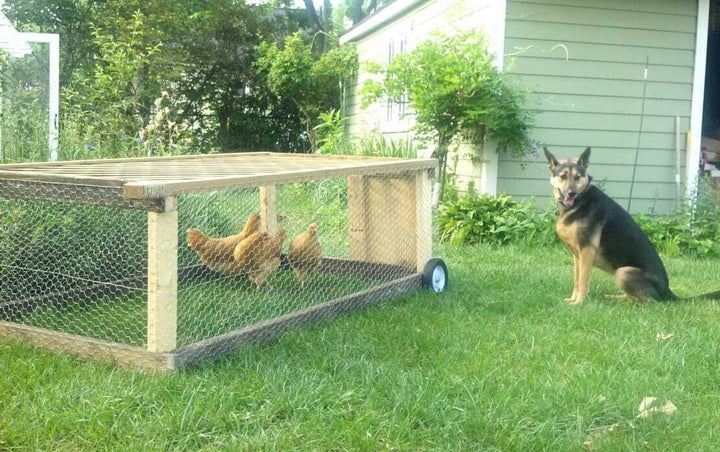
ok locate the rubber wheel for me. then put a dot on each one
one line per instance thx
(435, 275)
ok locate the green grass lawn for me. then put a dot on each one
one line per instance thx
(497, 362)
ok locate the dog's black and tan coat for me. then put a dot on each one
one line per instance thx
(601, 233)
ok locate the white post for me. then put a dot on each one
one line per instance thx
(698, 93)
(53, 40)
(54, 96)
(489, 171)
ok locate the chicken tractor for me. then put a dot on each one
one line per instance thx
(157, 263)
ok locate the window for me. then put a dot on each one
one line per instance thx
(396, 109)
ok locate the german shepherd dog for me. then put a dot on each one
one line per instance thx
(601, 233)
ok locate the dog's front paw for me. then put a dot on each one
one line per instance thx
(576, 301)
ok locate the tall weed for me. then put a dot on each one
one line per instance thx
(332, 139)
(695, 231)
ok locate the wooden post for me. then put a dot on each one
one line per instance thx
(357, 220)
(162, 278)
(382, 212)
(268, 207)
(423, 222)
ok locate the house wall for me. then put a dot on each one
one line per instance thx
(417, 23)
(584, 62)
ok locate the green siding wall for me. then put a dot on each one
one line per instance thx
(584, 62)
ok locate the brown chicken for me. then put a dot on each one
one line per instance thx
(217, 253)
(305, 253)
(259, 255)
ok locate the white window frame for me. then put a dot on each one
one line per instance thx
(396, 111)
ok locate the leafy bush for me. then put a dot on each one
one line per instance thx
(494, 220)
(312, 83)
(694, 231)
(453, 87)
(501, 220)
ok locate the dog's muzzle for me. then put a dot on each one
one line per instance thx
(568, 200)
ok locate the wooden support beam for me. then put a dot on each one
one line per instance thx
(162, 278)
(423, 219)
(268, 207)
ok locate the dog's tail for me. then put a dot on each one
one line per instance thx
(707, 296)
(670, 296)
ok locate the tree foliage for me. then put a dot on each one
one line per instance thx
(312, 83)
(453, 88)
(358, 10)
(139, 77)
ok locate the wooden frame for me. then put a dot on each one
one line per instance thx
(377, 188)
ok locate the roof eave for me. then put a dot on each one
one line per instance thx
(376, 21)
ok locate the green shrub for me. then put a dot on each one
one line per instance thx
(501, 220)
(693, 232)
(494, 220)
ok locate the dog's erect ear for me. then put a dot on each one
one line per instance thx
(552, 161)
(584, 159)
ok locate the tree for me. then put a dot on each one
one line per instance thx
(357, 10)
(123, 61)
(453, 87)
(108, 105)
(312, 83)
(69, 18)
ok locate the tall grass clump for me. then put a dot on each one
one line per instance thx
(332, 139)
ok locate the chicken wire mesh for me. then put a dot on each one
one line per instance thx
(251, 262)
(72, 268)
(239, 268)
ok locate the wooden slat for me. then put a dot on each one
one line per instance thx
(158, 189)
(87, 348)
(159, 177)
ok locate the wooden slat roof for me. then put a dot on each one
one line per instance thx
(157, 177)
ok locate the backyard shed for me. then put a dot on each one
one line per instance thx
(626, 78)
(97, 258)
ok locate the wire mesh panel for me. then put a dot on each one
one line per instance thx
(250, 257)
(72, 268)
(181, 271)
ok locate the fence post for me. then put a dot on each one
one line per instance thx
(423, 221)
(162, 278)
